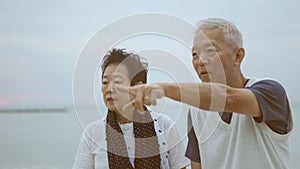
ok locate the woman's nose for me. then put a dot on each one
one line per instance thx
(109, 88)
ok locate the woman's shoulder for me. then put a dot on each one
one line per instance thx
(94, 132)
(95, 125)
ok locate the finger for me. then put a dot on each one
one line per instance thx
(147, 95)
(155, 94)
(153, 98)
(153, 102)
(147, 100)
(139, 100)
(129, 106)
(160, 93)
(124, 88)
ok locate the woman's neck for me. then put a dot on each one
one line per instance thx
(124, 117)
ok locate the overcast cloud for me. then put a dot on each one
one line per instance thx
(40, 41)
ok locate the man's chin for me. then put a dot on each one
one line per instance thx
(205, 78)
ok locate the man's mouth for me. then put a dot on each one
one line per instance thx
(203, 72)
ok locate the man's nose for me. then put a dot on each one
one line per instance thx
(201, 61)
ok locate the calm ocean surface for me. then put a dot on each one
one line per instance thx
(48, 140)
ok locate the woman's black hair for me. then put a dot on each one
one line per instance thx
(137, 69)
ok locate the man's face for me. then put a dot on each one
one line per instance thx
(212, 57)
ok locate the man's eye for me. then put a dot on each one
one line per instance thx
(195, 56)
(211, 50)
(104, 82)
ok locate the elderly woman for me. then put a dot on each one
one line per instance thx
(126, 139)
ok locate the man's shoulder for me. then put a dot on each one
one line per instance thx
(267, 81)
(268, 84)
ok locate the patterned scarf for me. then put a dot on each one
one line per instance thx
(146, 144)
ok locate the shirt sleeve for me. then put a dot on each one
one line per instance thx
(84, 158)
(274, 105)
(192, 150)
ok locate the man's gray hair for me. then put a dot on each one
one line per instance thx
(229, 30)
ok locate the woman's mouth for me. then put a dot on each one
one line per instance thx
(109, 99)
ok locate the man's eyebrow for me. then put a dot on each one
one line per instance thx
(206, 44)
(209, 43)
(214, 44)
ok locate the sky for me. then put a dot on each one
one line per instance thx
(41, 42)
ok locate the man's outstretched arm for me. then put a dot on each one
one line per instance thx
(208, 96)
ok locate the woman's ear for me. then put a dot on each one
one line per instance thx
(138, 83)
(239, 56)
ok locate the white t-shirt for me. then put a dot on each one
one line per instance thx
(242, 144)
(92, 154)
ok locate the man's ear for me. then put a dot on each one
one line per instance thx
(239, 56)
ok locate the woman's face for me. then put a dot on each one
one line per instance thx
(115, 74)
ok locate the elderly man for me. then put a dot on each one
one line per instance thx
(240, 122)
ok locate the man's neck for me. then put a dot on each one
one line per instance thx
(239, 82)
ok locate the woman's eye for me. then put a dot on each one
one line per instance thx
(117, 82)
